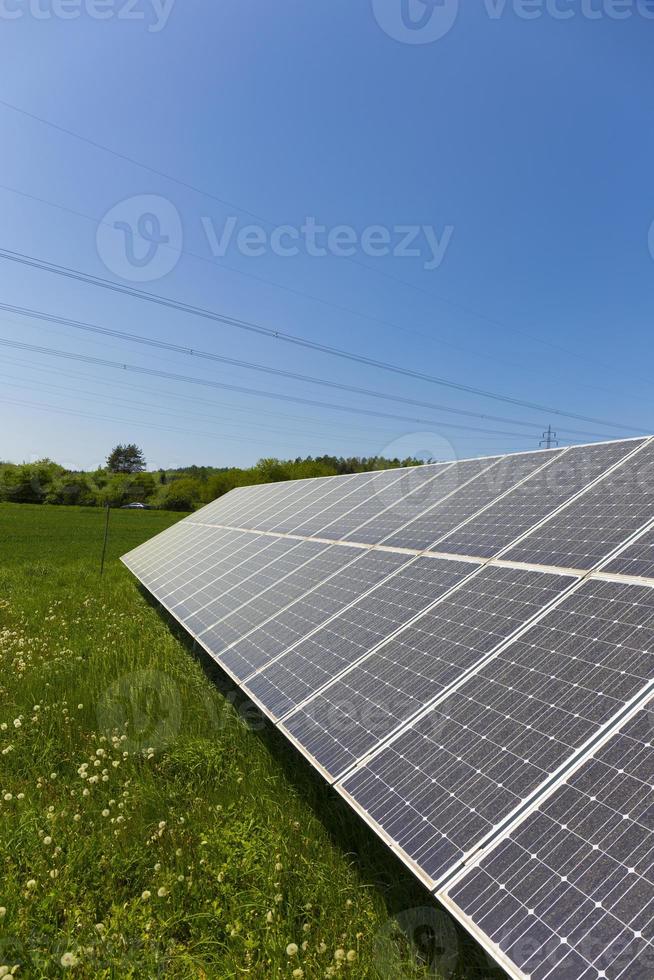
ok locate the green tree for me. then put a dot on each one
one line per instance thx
(128, 488)
(182, 494)
(126, 459)
(28, 483)
(73, 488)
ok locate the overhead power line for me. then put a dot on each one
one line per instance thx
(153, 372)
(224, 266)
(249, 326)
(376, 270)
(251, 366)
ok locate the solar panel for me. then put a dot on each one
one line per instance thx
(637, 559)
(397, 501)
(400, 677)
(270, 590)
(536, 498)
(264, 644)
(462, 704)
(219, 570)
(570, 891)
(215, 546)
(277, 558)
(446, 481)
(242, 506)
(145, 555)
(288, 513)
(449, 779)
(591, 527)
(367, 486)
(491, 483)
(351, 634)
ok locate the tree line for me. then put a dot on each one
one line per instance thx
(125, 479)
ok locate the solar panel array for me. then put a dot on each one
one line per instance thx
(466, 651)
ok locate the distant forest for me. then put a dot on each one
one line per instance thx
(45, 482)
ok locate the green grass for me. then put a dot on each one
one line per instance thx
(151, 824)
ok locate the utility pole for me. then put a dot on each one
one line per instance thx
(549, 438)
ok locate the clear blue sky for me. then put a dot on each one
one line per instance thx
(532, 140)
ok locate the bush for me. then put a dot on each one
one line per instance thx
(128, 488)
(73, 489)
(28, 483)
(184, 494)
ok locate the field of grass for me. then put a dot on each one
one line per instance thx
(151, 824)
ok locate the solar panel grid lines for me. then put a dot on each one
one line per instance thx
(316, 520)
(287, 504)
(186, 552)
(643, 701)
(307, 567)
(347, 636)
(340, 589)
(318, 499)
(635, 558)
(241, 504)
(385, 526)
(223, 549)
(255, 514)
(507, 521)
(277, 556)
(552, 455)
(443, 516)
(486, 749)
(593, 524)
(207, 604)
(210, 574)
(258, 609)
(572, 882)
(182, 549)
(142, 557)
(171, 550)
(406, 567)
(289, 536)
(393, 501)
(362, 709)
(573, 582)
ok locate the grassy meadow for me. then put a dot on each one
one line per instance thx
(151, 824)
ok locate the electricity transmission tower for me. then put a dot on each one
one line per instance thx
(549, 438)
